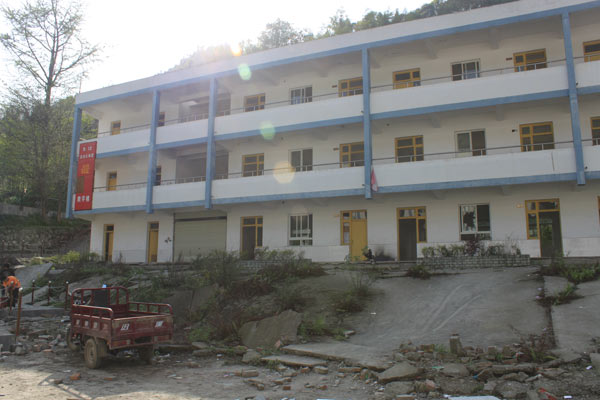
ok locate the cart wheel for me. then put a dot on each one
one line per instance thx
(146, 354)
(92, 354)
(75, 346)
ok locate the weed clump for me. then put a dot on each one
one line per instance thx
(419, 272)
(355, 298)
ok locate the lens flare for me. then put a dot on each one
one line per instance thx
(236, 50)
(283, 173)
(244, 71)
(267, 130)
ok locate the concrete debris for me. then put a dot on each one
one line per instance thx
(455, 370)
(399, 372)
(294, 361)
(393, 389)
(251, 356)
(266, 332)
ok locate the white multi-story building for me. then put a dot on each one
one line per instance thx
(429, 132)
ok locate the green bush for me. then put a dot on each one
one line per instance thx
(201, 334)
(355, 298)
(219, 267)
(288, 298)
(419, 272)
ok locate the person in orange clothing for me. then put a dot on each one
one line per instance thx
(11, 286)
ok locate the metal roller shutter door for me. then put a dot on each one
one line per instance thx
(199, 237)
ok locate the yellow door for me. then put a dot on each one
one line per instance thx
(109, 231)
(152, 241)
(111, 181)
(354, 231)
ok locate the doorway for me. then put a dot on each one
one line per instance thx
(252, 230)
(152, 242)
(354, 232)
(543, 223)
(107, 248)
(412, 229)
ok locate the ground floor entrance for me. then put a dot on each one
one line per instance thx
(198, 234)
(543, 223)
(354, 232)
(412, 229)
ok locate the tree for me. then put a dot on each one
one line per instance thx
(338, 25)
(49, 53)
(277, 34)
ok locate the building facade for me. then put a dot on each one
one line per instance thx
(477, 124)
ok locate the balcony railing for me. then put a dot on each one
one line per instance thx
(125, 186)
(350, 92)
(479, 152)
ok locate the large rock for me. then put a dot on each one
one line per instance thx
(399, 372)
(511, 390)
(455, 370)
(266, 332)
(393, 389)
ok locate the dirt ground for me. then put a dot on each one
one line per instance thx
(173, 376)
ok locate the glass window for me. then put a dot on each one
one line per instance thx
(158, 176)
(407, 78)
(350, 87)
(530, 60)
(538, 136)
(352, 155)
(475, 221)
(301, 95)
(301, 160)
(409, 149)
(596, 131)
(471, 142)
(465, 70)
(254, 102)
(115, 127)
(253, 164)
(591, 50)
(161, 118)
(300, 230)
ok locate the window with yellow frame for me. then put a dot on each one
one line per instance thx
(352, 155)
(256, 224)
(254, 102)
(115, 127)
(538, 136)
(591, 50)
(532, 211)
(409, 149)
(595, 131)
(253, 164)
(407, 78)
(530, 60)
(419, 214)
(350, 87)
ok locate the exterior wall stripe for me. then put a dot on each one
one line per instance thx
(573, 103)
(152, 151)
(210, 148)
(73, 160)
(368, 153)
(123, 152)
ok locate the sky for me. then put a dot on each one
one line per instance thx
(141, 38)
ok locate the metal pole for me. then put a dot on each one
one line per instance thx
(66, 294)
(19, 315)
(48, 302)
(32, 291)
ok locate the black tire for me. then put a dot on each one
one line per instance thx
(146, 354)
(71, 344)
(92, 354)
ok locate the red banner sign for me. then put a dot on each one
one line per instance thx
(85, 176)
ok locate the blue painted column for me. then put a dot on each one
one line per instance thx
(73, 161)
(152, 151)
(573, 103)
(366, 72)
(210, 144)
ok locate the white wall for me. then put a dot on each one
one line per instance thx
(579, 219)
(130, 242)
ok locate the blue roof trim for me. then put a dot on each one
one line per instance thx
(181, 143)
(111, 210)
(471, 104)
(359, 47)
(295, 127)
(123, 152)
(479, 183)
(291, 196)
(180, 204)
(588, 90)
